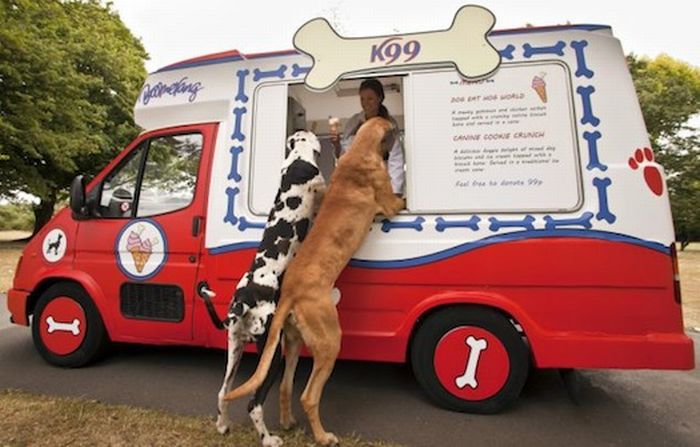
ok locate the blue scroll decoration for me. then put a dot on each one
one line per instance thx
(244, 224)
(279, 73)
(602, 184)
(441, 224)
(581, 69)
(230, 217)
(238, 112)
(416, 224)
(241, 96)
(583, 221)
(507, 52)
(298, 70)
(593, 160)
(234, 174)
(526, 223)
(588, 116)
(556, 49)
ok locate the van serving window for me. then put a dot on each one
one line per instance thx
(269, 135)
(503, 144)
(281, 109)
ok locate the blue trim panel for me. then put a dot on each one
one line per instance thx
(233, 247)
(469, 246)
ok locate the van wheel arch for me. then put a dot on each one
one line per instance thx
(75, 313)
(433, 310)
(42, 287)
(435, 333)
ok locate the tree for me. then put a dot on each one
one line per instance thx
(70, 72)
(669, 94)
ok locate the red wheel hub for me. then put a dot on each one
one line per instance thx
(63, 326)
(471, 363)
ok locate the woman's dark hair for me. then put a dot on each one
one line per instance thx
(376, 87)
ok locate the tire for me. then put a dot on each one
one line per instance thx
(451, 340)
(67, 328)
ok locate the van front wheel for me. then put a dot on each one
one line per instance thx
(67, 328)
(470, 359)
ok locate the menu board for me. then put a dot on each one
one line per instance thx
(502, 144)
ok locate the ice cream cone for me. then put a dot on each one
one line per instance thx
(542, 93)
(540, 87)
(140, 259)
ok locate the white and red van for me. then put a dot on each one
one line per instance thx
(537, 230)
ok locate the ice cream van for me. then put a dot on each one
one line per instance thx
(537, 231)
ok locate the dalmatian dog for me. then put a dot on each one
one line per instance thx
(255, 299)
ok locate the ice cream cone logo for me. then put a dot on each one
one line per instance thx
(137, 249)
(540, 86)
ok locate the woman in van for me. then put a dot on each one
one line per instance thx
(371, 100)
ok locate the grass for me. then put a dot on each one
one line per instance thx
(29, 419)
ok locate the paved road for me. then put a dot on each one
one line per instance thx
(4, 313)
(383, 401)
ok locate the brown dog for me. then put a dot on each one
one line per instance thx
(359, 189)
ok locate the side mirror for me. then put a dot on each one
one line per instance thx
(77, 198)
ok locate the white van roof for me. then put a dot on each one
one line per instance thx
(202, 89)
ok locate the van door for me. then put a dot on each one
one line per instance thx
(142, 247)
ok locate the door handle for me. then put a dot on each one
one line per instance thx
(196, 225)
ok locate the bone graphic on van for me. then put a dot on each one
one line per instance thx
(236, 152)
(241, 96)
(230, 216)
(73, 328)
(507, 52)
(464, 44)
(442, 224)
(604, 213)
(469, 376)
(298, 70)
(593, 160)
(416, 224)
(244, 224)
(526, 223)
(238, 112)
(582, 69)
(583, 221)
(588, 117)
(556, 49)
(259, 74)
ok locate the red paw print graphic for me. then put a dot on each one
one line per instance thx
(652, 175)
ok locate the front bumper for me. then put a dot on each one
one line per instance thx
(17, 305)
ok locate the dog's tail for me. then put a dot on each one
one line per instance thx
(273, 339)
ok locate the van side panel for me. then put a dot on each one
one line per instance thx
(610, 304)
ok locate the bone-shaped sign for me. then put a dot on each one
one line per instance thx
(469, 376)
(464, 44)
(73, 327)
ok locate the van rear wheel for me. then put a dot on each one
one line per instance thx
(470, 359)
(67, 328)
